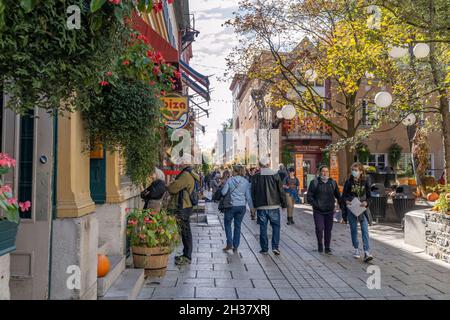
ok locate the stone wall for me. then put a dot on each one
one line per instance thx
(4, 277)
(437, 235)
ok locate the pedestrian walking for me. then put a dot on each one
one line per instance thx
(180, 204)
(237, 190)
(282, 172)
(268, 197)
(154, 194)
(216, 183)
(291, 187)
(322, 195)
(357, 187)
(251, 173)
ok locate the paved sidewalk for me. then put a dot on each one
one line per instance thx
(300, 272)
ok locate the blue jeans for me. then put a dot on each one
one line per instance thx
(353, 221)
(264, 216)
(236, 213)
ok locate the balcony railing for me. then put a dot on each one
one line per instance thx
(306, 127)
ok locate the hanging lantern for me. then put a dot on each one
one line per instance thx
(383, 99)
(310, 75)
(288, 112)
(279, 114)
(421, 50)
(409, 120)
(398, 52)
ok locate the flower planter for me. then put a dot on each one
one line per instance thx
(153, 260)
(8, 233)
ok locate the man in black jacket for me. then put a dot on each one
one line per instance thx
(268, 198)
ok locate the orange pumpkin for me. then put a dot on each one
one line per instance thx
(102, 265)
(433, 196)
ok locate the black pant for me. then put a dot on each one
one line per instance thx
(184, 223)
(324, 225)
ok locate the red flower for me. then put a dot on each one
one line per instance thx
(158, 58)
(103, 83)
(6, 161)
(108, 74)
(156, 71)
(143, 38)
(5, 189)
(142, 236)
(24, 206)
(152, 83)
(158, 7)
(177, 74)
(127, 210)
(170, 1)
(163, 93)
(115, 1)
(150, 54)
(12, 201)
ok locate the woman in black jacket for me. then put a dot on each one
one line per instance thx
(154, 193)
(357, 186)
(322, 195)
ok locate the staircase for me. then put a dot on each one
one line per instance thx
(120, 283)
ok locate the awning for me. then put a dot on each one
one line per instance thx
(194, 86)
(157, 42)
(204, 80)
(195, 80)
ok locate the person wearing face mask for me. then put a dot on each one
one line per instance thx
(322, 195)
(357, 186)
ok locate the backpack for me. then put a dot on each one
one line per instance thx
(193, 196)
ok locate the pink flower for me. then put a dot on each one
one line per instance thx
(142, 236)
(109, 74)
(115, 1)
(5, 189)
(12, 201)
(24, 206)
(103, 83)
(155, 71)
(126, 62)
(148, 220)
(163, 93)
(152, 83)
(6, 161)
(127, 210)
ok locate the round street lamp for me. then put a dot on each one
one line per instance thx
(383, 99)
(279, 114)
(421, 50)
(409, 120)
(288, 112)
(398, 52)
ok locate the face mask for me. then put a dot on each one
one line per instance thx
(355, 174)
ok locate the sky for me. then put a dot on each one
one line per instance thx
(210, 49)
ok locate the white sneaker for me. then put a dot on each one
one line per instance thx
(356, 254)
(367, 256)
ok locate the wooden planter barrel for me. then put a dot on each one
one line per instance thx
(153, 260)
(8, 233)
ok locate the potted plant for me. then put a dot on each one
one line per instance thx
(153, 236)
(9, 213)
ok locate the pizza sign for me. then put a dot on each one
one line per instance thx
(174, 107)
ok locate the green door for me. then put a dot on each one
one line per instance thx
(98, 180)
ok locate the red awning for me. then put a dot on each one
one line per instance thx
(157, 42)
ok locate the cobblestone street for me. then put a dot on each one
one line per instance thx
(300, 272)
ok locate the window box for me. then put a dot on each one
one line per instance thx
(8, 233)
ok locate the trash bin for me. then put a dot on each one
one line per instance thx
(378, 202)
(404, 200)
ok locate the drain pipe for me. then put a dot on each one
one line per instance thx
(54, 185)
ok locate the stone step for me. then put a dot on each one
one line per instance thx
(116, 267)
(103, 248)
(127, 286)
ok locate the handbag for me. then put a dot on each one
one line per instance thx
(226, 202)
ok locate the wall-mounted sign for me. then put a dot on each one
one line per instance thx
(299, 168)
(334, 167)
(178, 124)
(175, 106)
